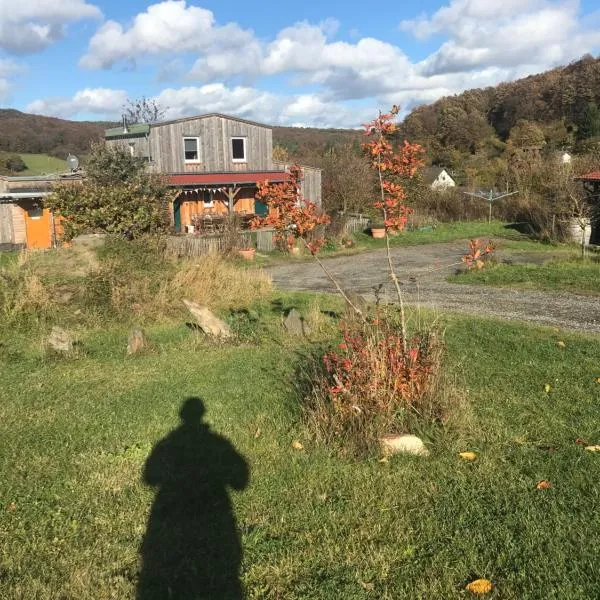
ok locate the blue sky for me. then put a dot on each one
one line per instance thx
(313, 63)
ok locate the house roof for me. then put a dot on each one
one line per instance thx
(593, 176)
(139, 129)
(237, 178)
(134, 130)
(430, 174)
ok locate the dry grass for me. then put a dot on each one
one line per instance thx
(216, 283)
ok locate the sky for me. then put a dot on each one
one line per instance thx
(313, 63)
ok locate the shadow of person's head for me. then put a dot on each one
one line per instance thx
(192, 411)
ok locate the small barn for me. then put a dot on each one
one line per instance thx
(437, 178)
(24, 220)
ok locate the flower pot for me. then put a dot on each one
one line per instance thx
(247, 253)
(378, 232)
(295, 251)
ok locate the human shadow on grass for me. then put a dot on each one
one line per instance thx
(191, 549)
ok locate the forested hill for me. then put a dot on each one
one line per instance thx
(560, 103)
(25, 133)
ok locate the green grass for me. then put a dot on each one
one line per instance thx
(77, 432)
(557, 275)
(42, 164)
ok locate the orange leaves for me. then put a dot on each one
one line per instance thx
(290, 214)
(544, 484)
(468, 456)
(390, 162)
(480, 587)
(474, 259)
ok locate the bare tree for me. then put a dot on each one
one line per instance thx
(143, 110)
(348, 181)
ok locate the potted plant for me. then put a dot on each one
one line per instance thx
(378, 230)
(247, 253)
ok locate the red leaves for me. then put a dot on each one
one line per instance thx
(290, 214)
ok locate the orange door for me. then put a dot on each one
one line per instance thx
(37, 224)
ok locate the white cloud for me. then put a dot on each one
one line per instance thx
(481, 43)
(28, 26)
(511, 34)
(165, 28)
(103, 102)
(242, 101)
(8, 68)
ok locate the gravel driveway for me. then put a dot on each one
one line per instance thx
(423, 271)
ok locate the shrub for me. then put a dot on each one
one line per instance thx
(373, 384)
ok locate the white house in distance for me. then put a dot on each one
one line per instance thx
(437, 178)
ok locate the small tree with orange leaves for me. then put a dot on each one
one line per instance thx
(294, 217)
(391, 165)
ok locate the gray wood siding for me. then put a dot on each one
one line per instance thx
(311, 181)
(140, 145)
(6, 224)
(215, 133)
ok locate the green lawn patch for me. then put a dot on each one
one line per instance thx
(42, 164)
(558, 275)
(433, 234)
(76, 434)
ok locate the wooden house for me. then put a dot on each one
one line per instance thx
(24, 220)
(214, 160)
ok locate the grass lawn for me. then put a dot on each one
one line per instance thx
(442, 232)
(76, 434)
(557, 275)
(42, 164)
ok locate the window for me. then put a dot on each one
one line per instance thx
(208, 199)
(191, 149)
(238, 149)
(35, 211)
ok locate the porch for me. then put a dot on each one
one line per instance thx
(206, 201)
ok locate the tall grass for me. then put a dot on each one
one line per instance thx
(127, 282)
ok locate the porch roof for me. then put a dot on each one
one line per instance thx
(223, 179)
(593, 176)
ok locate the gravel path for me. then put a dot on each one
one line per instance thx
(423, 271)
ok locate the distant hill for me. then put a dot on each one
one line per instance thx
(35, 134)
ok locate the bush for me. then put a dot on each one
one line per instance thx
(373, 384)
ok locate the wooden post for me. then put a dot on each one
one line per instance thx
(231, 194)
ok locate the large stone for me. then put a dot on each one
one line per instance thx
(209, 323)
(403, 444)
(60, 340)
(295, 325)
(136, 341)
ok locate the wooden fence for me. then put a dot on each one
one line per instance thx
(189, 246)
(356, 223)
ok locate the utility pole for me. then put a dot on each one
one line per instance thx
(490, 198)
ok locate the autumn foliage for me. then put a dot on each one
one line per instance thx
(478, 253)
(370, 386)
(291, 215)
(392, 164)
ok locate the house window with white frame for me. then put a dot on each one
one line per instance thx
(191, 149)
(238, 149)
